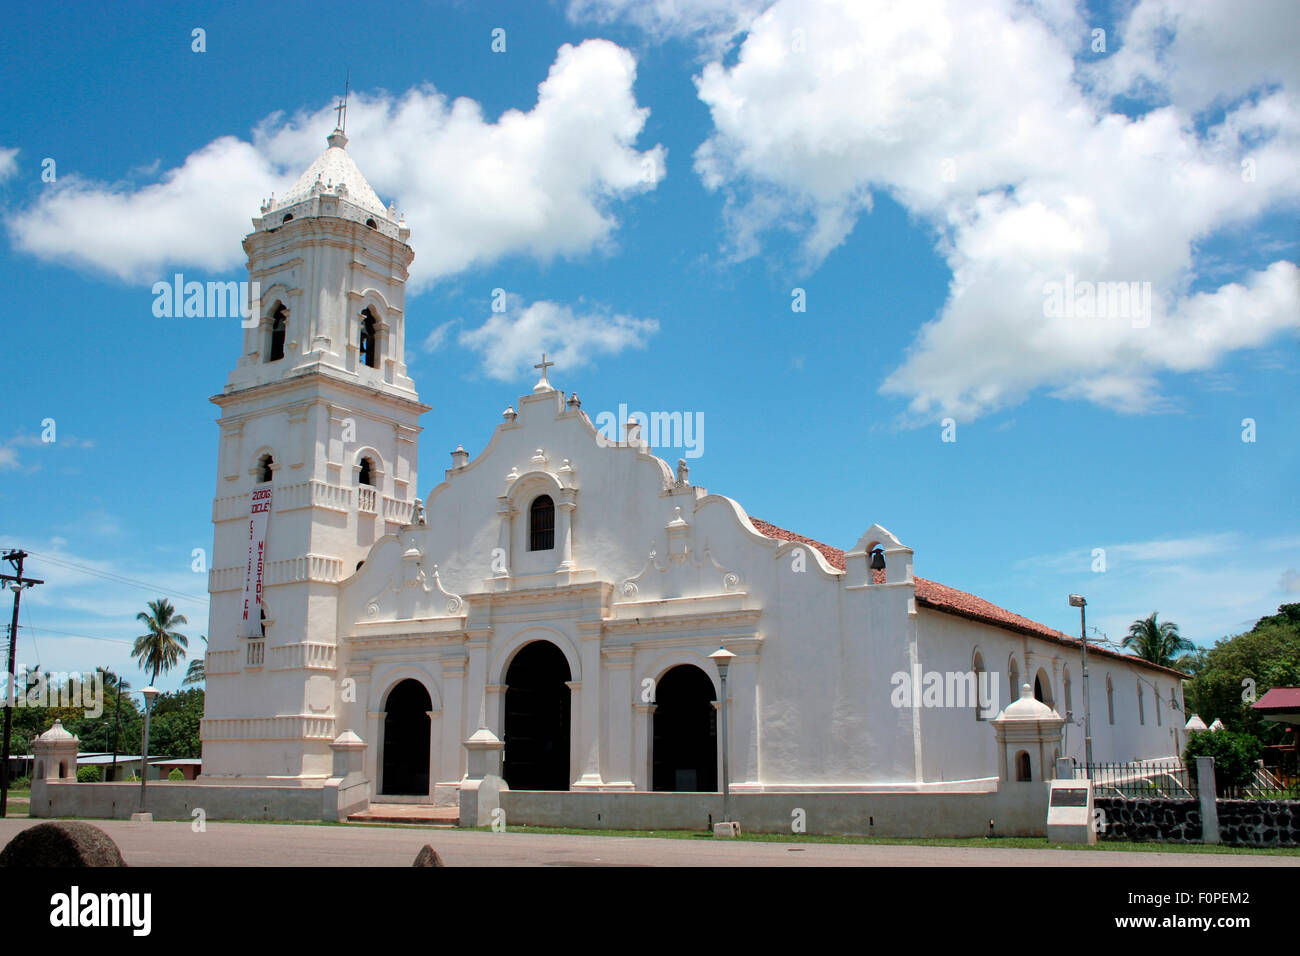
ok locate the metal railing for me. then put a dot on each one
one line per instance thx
(1164, 779)
(1266, 786)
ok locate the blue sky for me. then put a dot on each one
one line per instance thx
(919, 181)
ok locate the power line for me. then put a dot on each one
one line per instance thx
(88, 637)
(117, 578)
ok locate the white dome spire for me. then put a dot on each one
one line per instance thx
(334, 171)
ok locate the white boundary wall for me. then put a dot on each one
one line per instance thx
(1017, 809)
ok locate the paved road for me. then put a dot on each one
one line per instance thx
(254, 844)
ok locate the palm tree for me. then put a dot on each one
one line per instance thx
(197, 672)
(162, 648)
(1158, 643)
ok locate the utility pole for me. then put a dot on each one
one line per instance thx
(117, 723)
(16, 582)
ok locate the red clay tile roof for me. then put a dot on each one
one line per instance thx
(949, 600)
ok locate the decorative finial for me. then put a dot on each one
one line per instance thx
(542, 384)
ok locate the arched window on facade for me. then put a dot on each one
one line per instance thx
(1110, 699)
(1068, 689)
(265, 468)
(366, 475)
(279, 327)
(541, 524)
(1013, 678)
(977, 666)
(369, 343)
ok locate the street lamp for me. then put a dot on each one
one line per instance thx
(723, 658)
(1077, 600)
(149, 694)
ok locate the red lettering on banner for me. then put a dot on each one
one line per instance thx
(255, 568)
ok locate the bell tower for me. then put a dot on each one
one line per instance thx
(317, 461)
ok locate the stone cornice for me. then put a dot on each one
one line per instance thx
(543, 595)
(312, 227)
(705, 621)
(317, 377)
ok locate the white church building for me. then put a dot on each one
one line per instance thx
(564, 592)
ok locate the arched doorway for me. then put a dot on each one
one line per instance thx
(406, 740)
(685, 747)
(537, 719)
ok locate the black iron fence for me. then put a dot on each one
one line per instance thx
(1267, 785)
(1165, 779)
(1169, 779)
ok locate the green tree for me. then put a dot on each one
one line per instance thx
(162, 647)
(174, 727)
(1234, 756)
(197, 672)
(1159, 643)
(1239, 669)
(98, 733)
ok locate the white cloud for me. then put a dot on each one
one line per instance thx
(78, 621)
(1211, 585)
(510, 341)
(8, 163)
(712, 22)
(34, 440)
(195, 216)
(1289, 582)
(540, 183)
(435, 339)
(974, 118)
(1124, 556)
(1219, 51)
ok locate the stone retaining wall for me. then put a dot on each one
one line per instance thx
(1259, 822)
(1256, 823)
(1148, 820)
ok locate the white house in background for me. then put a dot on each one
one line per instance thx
(562, 590)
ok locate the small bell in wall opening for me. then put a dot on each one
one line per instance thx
(877, 559)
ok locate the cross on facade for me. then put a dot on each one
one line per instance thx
(543, 365)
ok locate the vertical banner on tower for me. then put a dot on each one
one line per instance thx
(258, 513)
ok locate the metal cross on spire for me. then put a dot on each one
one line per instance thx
(341, 111)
